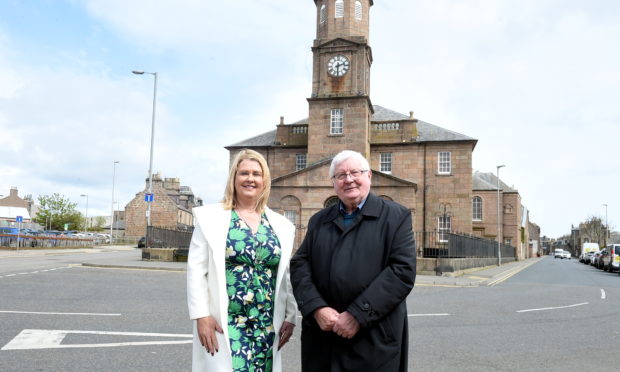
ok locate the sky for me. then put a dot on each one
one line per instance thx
(536, 82)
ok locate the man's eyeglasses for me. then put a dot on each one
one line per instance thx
(355, 174)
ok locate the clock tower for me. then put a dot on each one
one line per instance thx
(340, 106)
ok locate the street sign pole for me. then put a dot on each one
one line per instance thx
(19, 220)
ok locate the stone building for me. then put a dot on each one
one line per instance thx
(514, 217)
(420, 165)
(171, 207)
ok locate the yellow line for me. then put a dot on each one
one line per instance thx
(511, 273)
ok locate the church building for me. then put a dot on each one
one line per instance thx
(417, 164)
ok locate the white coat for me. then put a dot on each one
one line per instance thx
(206, 283)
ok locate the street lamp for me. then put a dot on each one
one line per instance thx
(86, 220)
(499, 227)
(148, 212)
(606, 225)
(112, 219)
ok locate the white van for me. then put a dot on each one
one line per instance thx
(611, 259)
(587, 248)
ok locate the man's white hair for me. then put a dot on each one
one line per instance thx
(348, 154)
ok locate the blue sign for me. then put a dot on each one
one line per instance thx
(148, 197)
(19, 219)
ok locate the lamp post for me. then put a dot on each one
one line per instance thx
(499, 226)
(606, 225)
(86, 220)
(148, 212)
(112, 219)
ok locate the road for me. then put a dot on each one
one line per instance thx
(58, 316)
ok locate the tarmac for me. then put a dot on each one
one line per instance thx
(131, 258)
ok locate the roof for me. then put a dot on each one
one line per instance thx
(488, 181)
(427, 132)
(12, 212)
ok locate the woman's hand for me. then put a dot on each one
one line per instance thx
(207, 327)
(286, 331)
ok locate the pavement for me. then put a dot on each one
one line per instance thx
(131, 258)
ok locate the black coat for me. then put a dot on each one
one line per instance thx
(368, 270)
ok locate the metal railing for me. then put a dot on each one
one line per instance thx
(40, 242)
(458, 245)
(161, 237)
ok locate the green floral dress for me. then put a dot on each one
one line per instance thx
(251, 269)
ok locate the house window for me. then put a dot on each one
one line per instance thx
(476, 205)
(322, 14)
(300, 162)
(358, 10)
(508, 241)
(385, 165)
(444, 224)
(291, 215)
(336, 121)
(445, 162)
(339, 8)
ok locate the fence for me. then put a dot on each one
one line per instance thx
(41, 242)
(457, 245)
(161, 237)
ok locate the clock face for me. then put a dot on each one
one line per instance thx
(338, 66)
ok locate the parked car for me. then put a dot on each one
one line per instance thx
(595, 259)
(611, 260)
(587, 258)
(566, 254)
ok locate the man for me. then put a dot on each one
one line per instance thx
(351, 277)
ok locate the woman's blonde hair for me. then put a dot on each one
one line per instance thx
(230, 198)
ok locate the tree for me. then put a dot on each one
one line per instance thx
(99, 223)
(56, 210)
(593, 230)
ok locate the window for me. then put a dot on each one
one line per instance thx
(444, 225)
(322, 14)
(358, 10)
(300, 162)
(339, 8)
(331, 201)
(476, 205)
(445, 162)
(291, 215)
(385, 165)
(508, 241)
(336, 121)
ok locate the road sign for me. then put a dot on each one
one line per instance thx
(19, 219)
(148, 197)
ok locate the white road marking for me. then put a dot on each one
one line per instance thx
(602, 294)
(444, 314)
(52, 313)
(36, 272)
(552, 308)
(30, 339)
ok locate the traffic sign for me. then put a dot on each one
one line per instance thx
(19, 219)
(148, 197)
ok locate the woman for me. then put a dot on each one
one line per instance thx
(238, 286)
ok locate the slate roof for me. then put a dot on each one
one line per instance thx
(488, 181)
(427, 132)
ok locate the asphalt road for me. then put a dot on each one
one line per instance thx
(57, 316)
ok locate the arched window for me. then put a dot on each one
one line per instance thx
(476, 206)
(330, 201)
(339, 8)
(323, 14)
(358, 10)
